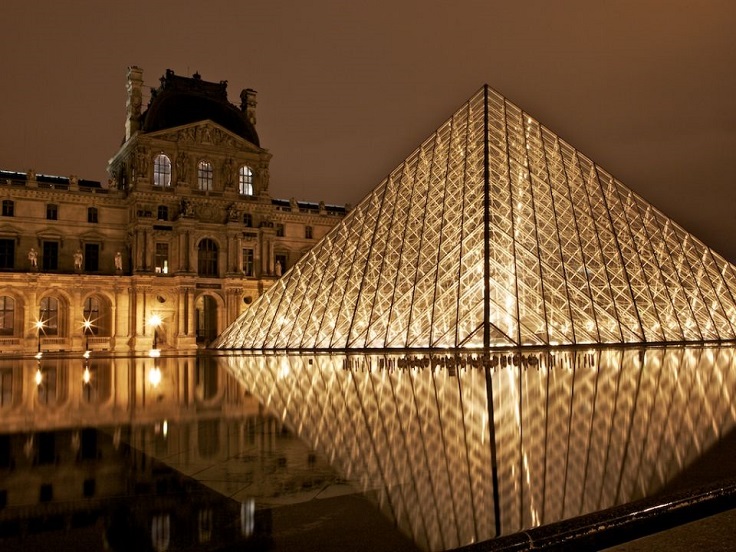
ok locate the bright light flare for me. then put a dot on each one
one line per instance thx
(154, 376)
(86, 376)
(154, 320)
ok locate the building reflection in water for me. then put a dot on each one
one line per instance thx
(142, 454)
(170, 453)
(573, 432)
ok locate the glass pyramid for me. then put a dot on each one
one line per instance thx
(496, 233)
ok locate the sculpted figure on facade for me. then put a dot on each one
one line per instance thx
(232, 213)
(33, 257)
(227, 173)
(78, 258)
(118, 262)
(141, 163)
(182, 166)
(186, 135)
(186, 209)
(264, 174)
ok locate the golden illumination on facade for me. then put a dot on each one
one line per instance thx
(496, 233)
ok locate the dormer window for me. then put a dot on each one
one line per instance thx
(204, 176)
(162, 171)
(245, 180)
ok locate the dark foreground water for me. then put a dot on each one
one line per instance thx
(335, 452)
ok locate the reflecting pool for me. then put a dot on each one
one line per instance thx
(376, 451)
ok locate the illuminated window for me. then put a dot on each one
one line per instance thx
(162, 171)
(7, 253)
(7, 315)
(91, 312)
(52, 211)
(248, 220)
(92, 215)
(49, 315)
(161, 259)
(207, 258)
(8, 207)
(245, 180)
(204, 176)
(249, 268)
(308, 232)
(163, 212)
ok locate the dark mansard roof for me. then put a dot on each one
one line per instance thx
(183, 100)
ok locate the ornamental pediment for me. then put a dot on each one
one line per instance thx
(206, 133)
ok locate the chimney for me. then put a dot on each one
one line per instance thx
(248, 104)
(134, 101)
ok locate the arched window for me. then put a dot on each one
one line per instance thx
(207, 258)
(162, 171)
(49, 315)
(91, 312)
(204, 175)
(7, 315)
(245, 180)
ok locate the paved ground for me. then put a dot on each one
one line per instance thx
(714, 533)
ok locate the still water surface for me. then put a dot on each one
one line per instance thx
(382, 451)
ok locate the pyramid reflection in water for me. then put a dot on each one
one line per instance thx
(573, 432)
(569, 254)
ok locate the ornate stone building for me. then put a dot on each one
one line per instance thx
(181, 240)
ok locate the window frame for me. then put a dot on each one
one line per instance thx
(7, 254)
(205, 176)
(49, 315)
(7, 315)
(93, 215)
(8, 208)
(161, 258)
(207, 258)
(49, 258)
(92, 257)
(162, 171)
(249, 262)
(245, 180)
(52, 211)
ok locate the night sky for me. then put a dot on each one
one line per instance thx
(348, 89)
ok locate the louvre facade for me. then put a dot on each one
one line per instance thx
(185, 232)
(495, 233)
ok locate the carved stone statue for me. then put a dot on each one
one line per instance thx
(227, 172)
(141, 163)
(186, 208)
(78, 260)
(33, 257)
(118, 261)
(277, 268)
(182, 166)
(232, 213)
